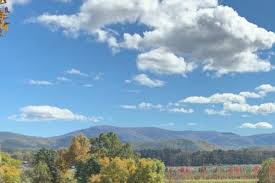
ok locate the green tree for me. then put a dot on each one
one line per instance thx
(85, 169)
(48, 158)
(149, 171)
(109, 145)
(28, 175)
(41, 173)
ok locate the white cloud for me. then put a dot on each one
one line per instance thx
(181, 110)
(264, 109)
(50, 113)
(144, 80)
(11, 3)
(216, 112)
(76, 72)
(196, 100)
(170, 107)
(63, 79)
(161, 61)
(227, 97)
(265, 89)
(193, 32)
(215, 99)
(250, 95)
(148, 106)
(40, 82)
(143, 106)
(260, 125)
(236, 102)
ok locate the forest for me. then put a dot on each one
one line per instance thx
(103, 159)
(177, 157)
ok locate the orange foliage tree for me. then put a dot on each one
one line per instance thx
(4, 11)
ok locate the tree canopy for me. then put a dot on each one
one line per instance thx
(10, 171)
(103, 159)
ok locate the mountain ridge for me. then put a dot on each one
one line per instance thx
(141, 135)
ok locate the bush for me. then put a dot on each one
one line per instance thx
(267, 172)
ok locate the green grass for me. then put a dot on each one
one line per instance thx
(217, 181)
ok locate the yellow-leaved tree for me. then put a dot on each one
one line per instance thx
(77, 152)
(129, 171)
(9, 169)
(68, 157)
(115, 170)
(4, 11)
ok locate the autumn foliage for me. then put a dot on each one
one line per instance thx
(4, 11)
(104, 159)
(9, 169)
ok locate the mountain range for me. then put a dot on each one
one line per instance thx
(144, 138)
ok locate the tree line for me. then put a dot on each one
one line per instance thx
(104, 159)
(174, 157)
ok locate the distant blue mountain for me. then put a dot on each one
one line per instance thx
(145, 137)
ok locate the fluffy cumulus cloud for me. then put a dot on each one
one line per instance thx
(260, 125)
(50, 113)
(144, 80)
(265, 89)
(161, 61)
(180, 36)
(215, 99)
(264, 109)
(250, 95)
(236, 102)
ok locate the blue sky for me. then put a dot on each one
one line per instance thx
(64, 68)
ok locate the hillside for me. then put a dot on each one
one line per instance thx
(148, 134)
(182, 144)
(146, 137)
(10, 141)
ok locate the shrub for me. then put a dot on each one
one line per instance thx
(267, 172)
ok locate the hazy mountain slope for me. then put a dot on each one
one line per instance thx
(143, 138)
(263, 139)
(228, 140)
(185, 145)
(12, 141)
